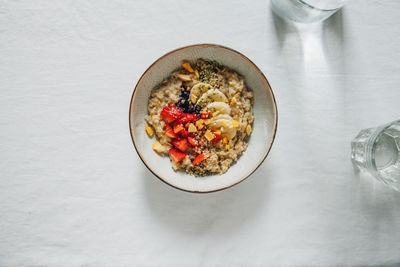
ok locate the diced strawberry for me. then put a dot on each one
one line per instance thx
(171, 113)
(205, 114)
(193, 141)
(181, 144)
(216, 138)
(176, 155)
(187, 117)
(169, 132)
(200, 158)
(185, 133)
(178, 127)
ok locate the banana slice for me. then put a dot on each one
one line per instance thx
(197, 90)
(216, 124)
(225, 127)
(231, 132)
(221, 107)
(222, 117)
(212, 95)
(223, 123)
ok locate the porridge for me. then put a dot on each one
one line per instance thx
(201, 116)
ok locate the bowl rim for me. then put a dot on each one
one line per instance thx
(203, 45)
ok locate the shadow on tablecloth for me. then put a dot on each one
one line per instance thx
(220, 213)
(319, 47)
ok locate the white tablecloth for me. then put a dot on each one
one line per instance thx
(73, 191)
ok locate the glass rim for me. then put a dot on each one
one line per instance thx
(321, 9)
(371, 149)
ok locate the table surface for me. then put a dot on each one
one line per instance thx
(73, 191)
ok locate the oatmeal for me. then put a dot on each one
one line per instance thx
(201, 117)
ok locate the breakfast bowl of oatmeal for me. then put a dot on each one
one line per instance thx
(203, 118)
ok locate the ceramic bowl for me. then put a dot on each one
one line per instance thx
(265, 118)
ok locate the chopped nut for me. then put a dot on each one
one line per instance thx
(192, 128)
(227, 147)
(233, 101)
(248, 129)
(149, 130)
(184, 77)
(235, 123)
(209, 136)
(186, 66)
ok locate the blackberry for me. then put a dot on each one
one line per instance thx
(182, 104)
(184, 94)
(190, 109)
(185, 106)
(197, 109)
(183, 101)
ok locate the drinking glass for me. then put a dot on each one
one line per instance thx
(306, 11)
(377, 151)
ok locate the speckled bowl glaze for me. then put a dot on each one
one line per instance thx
(265, 118)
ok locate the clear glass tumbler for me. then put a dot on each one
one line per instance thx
(306, 11)
(377, 150)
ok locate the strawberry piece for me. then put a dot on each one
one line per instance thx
(171, 113)
(200, 158)
(176, 155)
(185, 133)
(205, 115)
(193, 141)
(169, 132)
(178, 127)
(216, 138)
(187, 117)
(181, 144)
